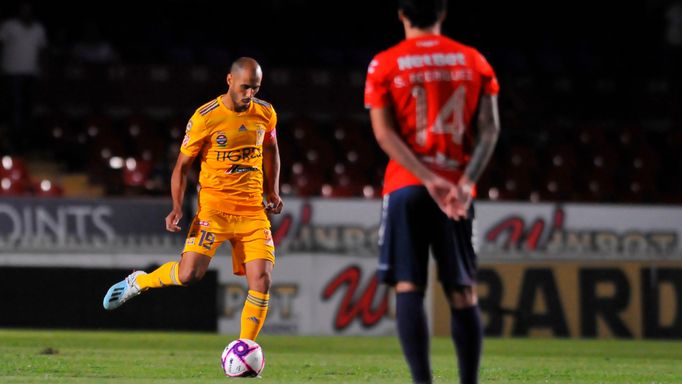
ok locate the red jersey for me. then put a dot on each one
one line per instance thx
(432, 84)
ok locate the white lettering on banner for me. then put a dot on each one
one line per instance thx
(630, 244)
(334, 239)
(513, 236)
(44, 219)
(98, 215)
(313, 237)
(15, 220)
(507, 230)
(38, 225)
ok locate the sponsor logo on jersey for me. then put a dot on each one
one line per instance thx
(221, 140)
(431, 60)
(237, 168)
(248, 153)
(204, 223)
(185, 140)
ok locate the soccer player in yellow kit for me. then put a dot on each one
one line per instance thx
(234, 136)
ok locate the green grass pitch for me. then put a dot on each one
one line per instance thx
(29, 356)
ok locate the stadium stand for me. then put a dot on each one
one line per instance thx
(574, 126)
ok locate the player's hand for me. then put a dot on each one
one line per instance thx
(274, 204)
(172, 221)
(444, 193)
(463, 199)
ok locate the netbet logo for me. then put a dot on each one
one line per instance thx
(240, 154)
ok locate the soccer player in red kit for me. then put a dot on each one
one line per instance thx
(422, 95)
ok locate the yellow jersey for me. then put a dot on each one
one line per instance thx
(230, 145)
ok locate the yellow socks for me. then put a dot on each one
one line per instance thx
(165, 275)
(253, 315)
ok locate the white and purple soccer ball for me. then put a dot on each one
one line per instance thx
(243, 358)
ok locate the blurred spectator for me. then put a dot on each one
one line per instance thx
(93, 48)
(23, 39)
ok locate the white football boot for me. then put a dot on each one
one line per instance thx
(122, 291)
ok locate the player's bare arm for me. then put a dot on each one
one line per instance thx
(388, 139)
(271, 166)
(178, 185)
(488, 131)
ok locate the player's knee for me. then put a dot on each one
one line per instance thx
(190, 275)
(407, 286)
(261, 282)
(463, 297)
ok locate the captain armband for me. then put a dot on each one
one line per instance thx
(271, 136)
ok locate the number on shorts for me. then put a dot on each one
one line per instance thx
(207, 239)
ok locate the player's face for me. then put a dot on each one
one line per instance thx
(243, 86)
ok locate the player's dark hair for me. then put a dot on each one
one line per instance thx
(422, 13)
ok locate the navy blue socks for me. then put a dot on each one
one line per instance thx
(467, 333)
(414, 334)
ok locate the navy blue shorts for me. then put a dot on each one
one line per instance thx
(411, 223)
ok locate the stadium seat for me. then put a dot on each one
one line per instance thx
(516, 185)
(630, 136)
(47, 188)
(136, 172)
(562, 157)
(10, 187)
(558, 186)
(598, 187)
(14, 168)
(522, 156)
(646, 160)
(371, 191)
(304, 181)
(640, 188)
(305, 186)
(343, 186)
(604, 159)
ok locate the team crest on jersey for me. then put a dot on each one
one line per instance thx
(221, 140)
(260, 134)
(189, 126)
(268, 238)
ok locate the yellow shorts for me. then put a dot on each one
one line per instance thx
(250, 237)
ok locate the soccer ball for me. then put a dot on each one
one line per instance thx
(243, 358)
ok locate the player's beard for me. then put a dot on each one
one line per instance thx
(242, 105)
